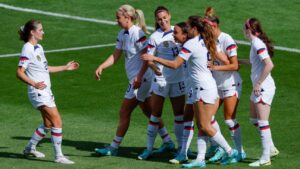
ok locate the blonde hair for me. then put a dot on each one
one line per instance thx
(136, 15)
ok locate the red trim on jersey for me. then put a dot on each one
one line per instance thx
(230, 47)
(142, 39)
(212, 122)
(261, 50)
(22, 58)
(185, 50)
(150, 46)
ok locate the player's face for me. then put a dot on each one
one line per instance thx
(38, 33)
(163, 20)
(121, 19)
(246, 33)
(179, 36)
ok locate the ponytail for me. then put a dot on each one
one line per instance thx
(210, 15)
(140, 20)
(205, 30)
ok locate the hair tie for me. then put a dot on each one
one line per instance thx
(22, 28)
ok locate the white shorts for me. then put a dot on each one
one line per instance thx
(40, 98)
(205, 95)
(230, 92)
(168, 89)
(141, 93)
(266, 96)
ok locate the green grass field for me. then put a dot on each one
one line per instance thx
(89, 108)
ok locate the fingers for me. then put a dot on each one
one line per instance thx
(40, 85)
(98, 74)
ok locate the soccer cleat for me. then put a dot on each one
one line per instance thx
(145, 155)
(211, 151)
(259, 163)
(34, 153)
(107, 151)
(194, 163)
(218, 156)
(241, 156)
(168, 146)
(63, 160)
(230, 158)
(274, 152)
(180, 158)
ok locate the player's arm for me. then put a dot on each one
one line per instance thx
(232, 66)
(112, 59)
(178, 61)
(266, 71)
(23, 77)
(72, 65)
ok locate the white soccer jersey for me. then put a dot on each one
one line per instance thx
(163, 45)
(34, 62)
(258, 53)
(195, 52)
(227, 79)
(132, 42)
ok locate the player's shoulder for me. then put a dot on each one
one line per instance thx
(258, 43)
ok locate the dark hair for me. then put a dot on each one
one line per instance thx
(211, 16)
(205, 29)
(157, 10)
(183, 26)
(25, 31)
(255, 27)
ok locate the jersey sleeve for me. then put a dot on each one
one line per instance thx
(119, 42)
(151, 48)
(141, 40)
(261, 50)
(231, 47)
(185, 52)
(25, 58)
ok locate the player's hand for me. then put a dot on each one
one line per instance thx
(147, 57)
(40, 85)
(257, 89)
(137, 82)
(98, 73)
(72, 65)
(210, 65)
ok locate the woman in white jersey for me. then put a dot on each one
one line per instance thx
(198, 52)
(229, 85)
(181, 36)
(33, 69)
(263, 87)
(133, 42)
(170, 83)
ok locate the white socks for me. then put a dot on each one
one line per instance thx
(178, 128)
(152, 131)
(265, 135)
(56, 137)
(235, 132)
(187, 137)
(37, 136)
(116, 142)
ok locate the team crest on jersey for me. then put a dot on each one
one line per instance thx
(166, 44)
(38, 57)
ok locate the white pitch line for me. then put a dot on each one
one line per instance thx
(111, 23)
(65, 49)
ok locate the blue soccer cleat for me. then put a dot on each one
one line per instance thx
(168, 146)
(180, 158)
(107, 151)
(218, 155)
(230, 158)
(194, 163)
(145, 155)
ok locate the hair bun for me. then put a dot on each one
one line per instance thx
(209, 11)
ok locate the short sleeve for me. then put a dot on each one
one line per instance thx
(141, 41)
(151, 46)
(24, 58)
(261, 50)
(231, 47)
(185, 52)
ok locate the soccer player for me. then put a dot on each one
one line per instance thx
(263, 87)
(33, 70)
(229, 85)
(181, 36)
(169, 84)
(133, 42)
(205, 95)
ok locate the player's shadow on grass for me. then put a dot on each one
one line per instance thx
(20, 156)
(125, 152)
